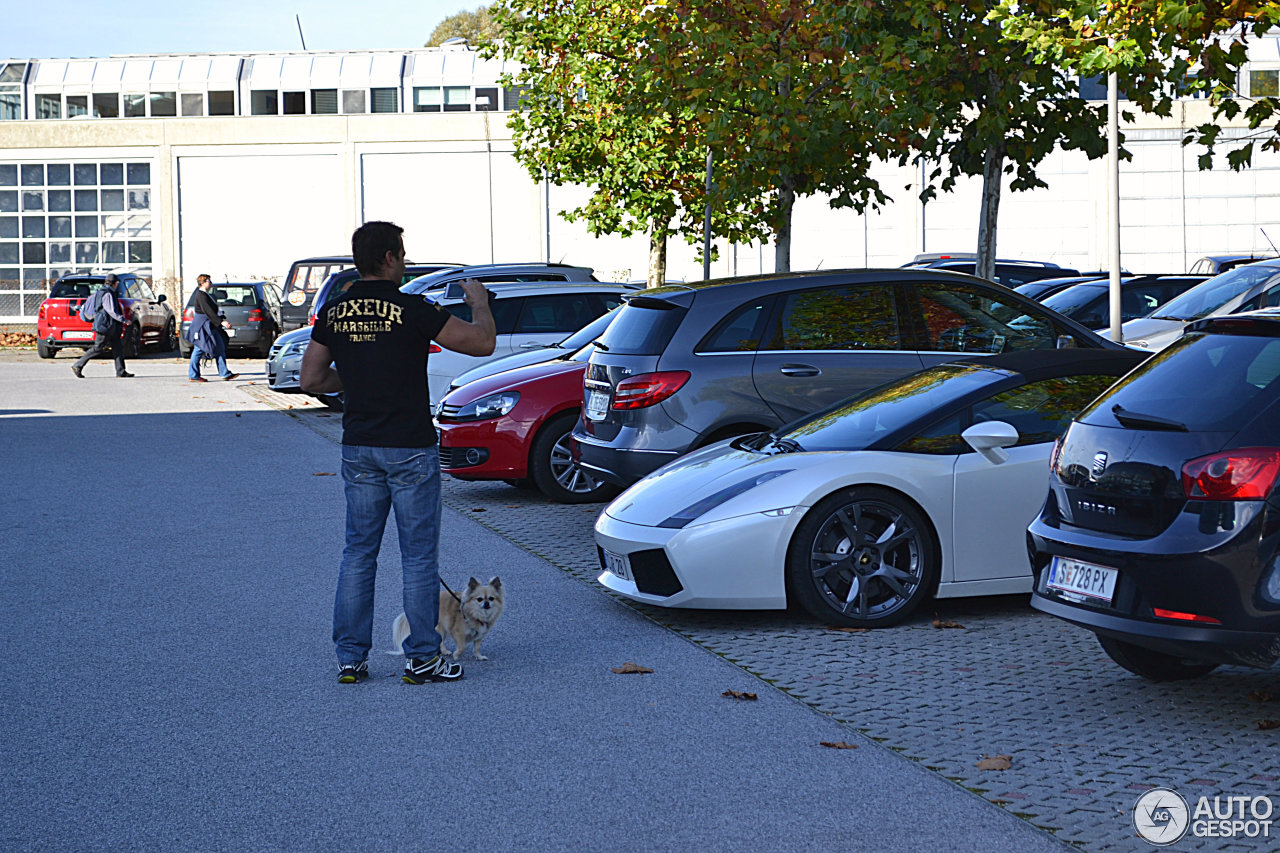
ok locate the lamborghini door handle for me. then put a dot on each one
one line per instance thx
(799, 370)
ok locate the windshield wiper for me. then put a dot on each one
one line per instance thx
(787, 445)
(600, 345)
(1166, 317)
(1137, 420)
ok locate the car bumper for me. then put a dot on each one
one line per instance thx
(286, 375)
(484, 450)
(617, 464)
(735, 564)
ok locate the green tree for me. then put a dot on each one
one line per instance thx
(1159, 50)
(478, 27)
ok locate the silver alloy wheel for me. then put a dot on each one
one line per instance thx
(568, 473)
(867, 560)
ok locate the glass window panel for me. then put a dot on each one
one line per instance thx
(57, 273)
(10, 106)
(512, 96)
(222, 103)
(837, 318)
(114, 226)
(31, 301)
(33, 226)
(457, 99)
(140, 252)
(59, 200)
(164, 104)
(8, 201)
(8, 253)
(8, 226)
(59, 226)
(1264, 84)
(86, 199)
(486, 99)
(385, 100)
(113, 199)
(427, 99)
(59, 175)
(959, 318)
(86, 253)
(106, 105)
(60, 253)
(324, 101)
(13, 72)
(139, 199)
(353, 100)
(8, 175)
(36, 275)
(86, 226)
(295, 103)
(193, 103)
(135, 106)
(32, 175)
(113, 252)
(86, 174)
(139, 174)
(9, 276)
(33, 199)
(264, 102)
(77, 105)
(112, 174)
(48, 106)
(140, 226)
(33, 253)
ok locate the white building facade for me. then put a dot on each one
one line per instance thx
(236, 165)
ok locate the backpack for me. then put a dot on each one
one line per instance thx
(91, 306)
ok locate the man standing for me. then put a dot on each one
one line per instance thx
(108, 329)
(207, 342)
(379, 339)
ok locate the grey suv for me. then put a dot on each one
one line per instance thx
(687, 365)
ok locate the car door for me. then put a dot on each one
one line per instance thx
(826, 343)
(950, 318)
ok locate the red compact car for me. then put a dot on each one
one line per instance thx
(148, 317)
(516, 426)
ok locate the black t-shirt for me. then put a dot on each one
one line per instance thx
(379, 338)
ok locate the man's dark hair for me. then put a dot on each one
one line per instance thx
(370, 244)
(110, 279)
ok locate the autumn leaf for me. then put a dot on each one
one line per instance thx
(1261, 696)
(995, 762)
(848, 630)
(631, 667)
(738, 694)
(837, 744)
(478, 509)
(946, 623)
(324, 474)
(1266, 725)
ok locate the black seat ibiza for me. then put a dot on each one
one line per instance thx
(1161, 528)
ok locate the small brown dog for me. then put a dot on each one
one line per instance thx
(468, 620)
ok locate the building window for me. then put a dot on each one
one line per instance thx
(10, 104)
(32, 175)
(135, 106)
(48, 106)
(512, 96)
(324, 102)
(193, 103)
(427, 99)
(457, 99)
(106, 105)
(385, 100)
(486, 99)
(59, 175)
(77, 105)
(295, 103)
(222, 103)
(1264, 83)
(264, 102)
(164, 104)
(112, 174)
(353, 101)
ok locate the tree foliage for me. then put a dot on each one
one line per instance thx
(477, 27)
(1160, 50)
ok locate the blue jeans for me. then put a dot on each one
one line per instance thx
(193, 369)
(377, 479)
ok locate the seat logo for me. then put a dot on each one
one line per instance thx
(1099, 463)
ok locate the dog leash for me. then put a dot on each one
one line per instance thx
(451, 592)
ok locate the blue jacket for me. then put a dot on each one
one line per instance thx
(207, 338)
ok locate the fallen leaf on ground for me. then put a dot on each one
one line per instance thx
(630, 667)
(946, 623)
(1265, 725)
(237, 414)
(1261, 696)
(838, 744)
(848, 630)
(324, 474)
(477, 509)
(995, 762)
(738, 694)
(323, 416)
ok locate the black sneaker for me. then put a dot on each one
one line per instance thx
(350, 673)
(421, 671)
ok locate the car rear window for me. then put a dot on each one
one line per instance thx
(74, 289)
(232, 295)
(1203, 382)
(1204, 299)
(644, 327)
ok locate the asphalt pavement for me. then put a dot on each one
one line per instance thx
(169, 552)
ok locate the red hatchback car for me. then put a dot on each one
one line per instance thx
(149, 319)
(516, 426)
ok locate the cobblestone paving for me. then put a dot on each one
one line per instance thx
(1085, 737)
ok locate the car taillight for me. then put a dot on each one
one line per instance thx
(648, 389)
(1246, 474)
(188, 315)
(1053, 456)
(311, 321)
(1185, 617)
(434, 348)
(40, 313)
(255, 316)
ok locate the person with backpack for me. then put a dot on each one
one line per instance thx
(207, 340)
(106, 313)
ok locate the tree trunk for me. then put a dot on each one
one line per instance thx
(657, 257)
(786, 203)
(992, 167)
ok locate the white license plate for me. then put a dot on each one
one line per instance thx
(77, 336)
(1082, 580)
(231, 333)
(597, 405)
(618, 564)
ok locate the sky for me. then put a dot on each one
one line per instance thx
(61, 29)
